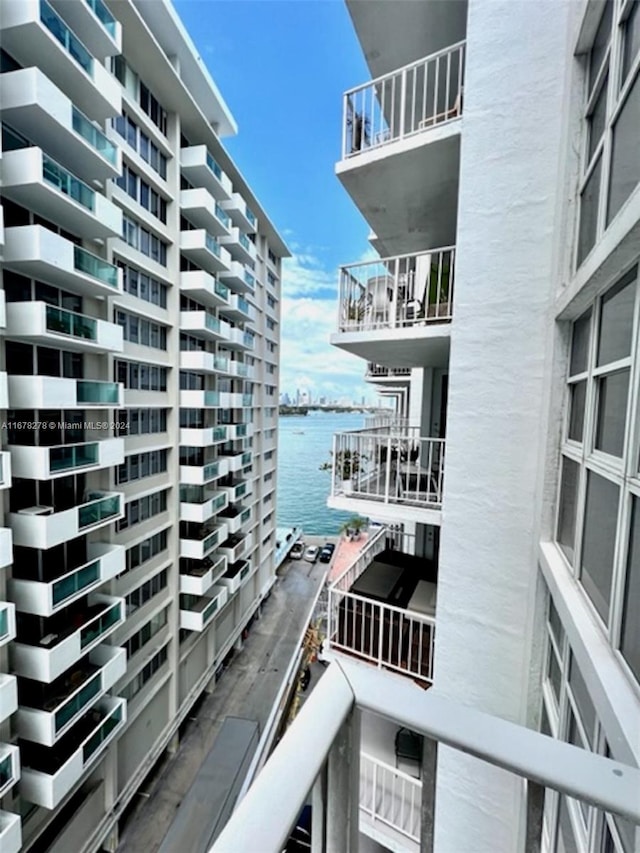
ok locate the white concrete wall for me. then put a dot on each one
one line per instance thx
(497, 409)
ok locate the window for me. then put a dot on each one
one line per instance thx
(132, 83)
(140, 142)
(141, 509)
(630, 637)
(625, 163)
(144, 241)
(146, 674)
(140, 331)
(148, 630)
(143, 285)
(139, 596)
(139, 376)
(140, 465)
(146, 550)
(140, 191)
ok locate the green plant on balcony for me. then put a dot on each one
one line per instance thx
(353, 527)
(347, 464)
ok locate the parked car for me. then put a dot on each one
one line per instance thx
(297, 551)
(327, 552)
(312, 553)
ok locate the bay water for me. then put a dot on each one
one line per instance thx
(304, 443)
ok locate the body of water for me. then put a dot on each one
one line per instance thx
(305, 442)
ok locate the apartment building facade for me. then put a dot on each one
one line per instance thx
(140, 333)
(494, 153)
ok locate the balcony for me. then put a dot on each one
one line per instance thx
(201, 169)
(197, 613)
(241, 214)
(49, 774)
(231, 399)
(239, 310)
(94, 24)
(49, 714)
(8, 696)
(233, 548)
(202, 324)
(9, 767)
(204, 288)
(237, 459)
(63, 641)
(379, 374)
(237, 572)
(203, 249)
(10, 832)
(237, 491)
(198, 541)
(198, 576)
(240, 431)
(48, 596)
(34, 34)
(35, 180)
(197, 361)
(40, 323)
(7, 622)
(398, 309)
(38, 253)
(389, 799)
(235, 518)
(56, 392)
(239, 278)
(47, 526)
(401, 150)
(240, 247)
(204, 211)
(389, 470)
(203, 437)
(239, 339)
(45, 463)
(5, 470)
(35, 107)
(199, 399)
(200, 475)
(199, 504)
(6, 547)
(382, 608)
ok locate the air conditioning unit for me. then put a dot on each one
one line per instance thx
(36, 510)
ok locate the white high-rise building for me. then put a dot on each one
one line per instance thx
(495, 153)
(140, 325)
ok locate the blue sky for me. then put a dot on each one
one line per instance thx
(282, 67)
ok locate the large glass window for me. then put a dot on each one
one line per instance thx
(625, 162)
(598, 541)
(630, 636)
(567, 508)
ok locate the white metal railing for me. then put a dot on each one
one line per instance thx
(392, 464)
(320, 754)
(373, 546)
(390, 420)
(396, 293)
(379, 371)
(390, 796)
(407, 101)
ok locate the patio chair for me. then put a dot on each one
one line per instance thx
(446, 115)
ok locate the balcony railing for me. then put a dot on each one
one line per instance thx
(103, 15)
(390, 797)
(406, 102)
(98, 392)
(101, 508)
(392, 465)
(100, 624)
(71, 43)
(396, 293)
(319, 757)
(69, 323)
(375, 371)
(67, 183)
(94, 266)
(95, 137)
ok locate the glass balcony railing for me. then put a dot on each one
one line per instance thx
(246, 515)
(77, 702)
(4, 623)
(212, 245)
(68, 323)
(243, 305)
(209, 610)
(249, 279)
(251, 216)
(95, 137)
(212, 322)
(220, 501)
(214, 167)
(244, 571)
(75, 582)
(99, 625)
(211, 470)
(67, 183)
(246, 457)
(6, 771)
(241, 490)
(103, 15)
(222, 215)
(220, 433)
(94, 266)
(221, 362)
(98, 510)
(248, 339)
(97, 392)
(222, 290)
(241, 430)
(71, 43)
(65, 457)
(211, 541)
(247, 399)
(212, 398)
(244, 241)
(99, 737)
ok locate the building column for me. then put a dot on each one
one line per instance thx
(343, 789)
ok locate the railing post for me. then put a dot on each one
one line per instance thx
(388, 472)
(428, 805)
(343, 788)
(403, 97)
(318, 812)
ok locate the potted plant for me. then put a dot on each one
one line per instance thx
(347, 464)
(359, 125)
(353, 527)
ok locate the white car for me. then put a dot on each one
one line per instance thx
(297, 551)
(312, 553)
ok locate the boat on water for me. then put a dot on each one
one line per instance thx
(298, 432)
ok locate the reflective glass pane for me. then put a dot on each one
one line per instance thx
(613, 391)
(630, 635)
(589, 200)
(580, 344)
(597, 119)
(576, 419)
(625, 162)
(598, 541)
(616, 320)
(631, 39)
(567, 507)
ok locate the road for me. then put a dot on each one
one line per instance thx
(247, 689)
